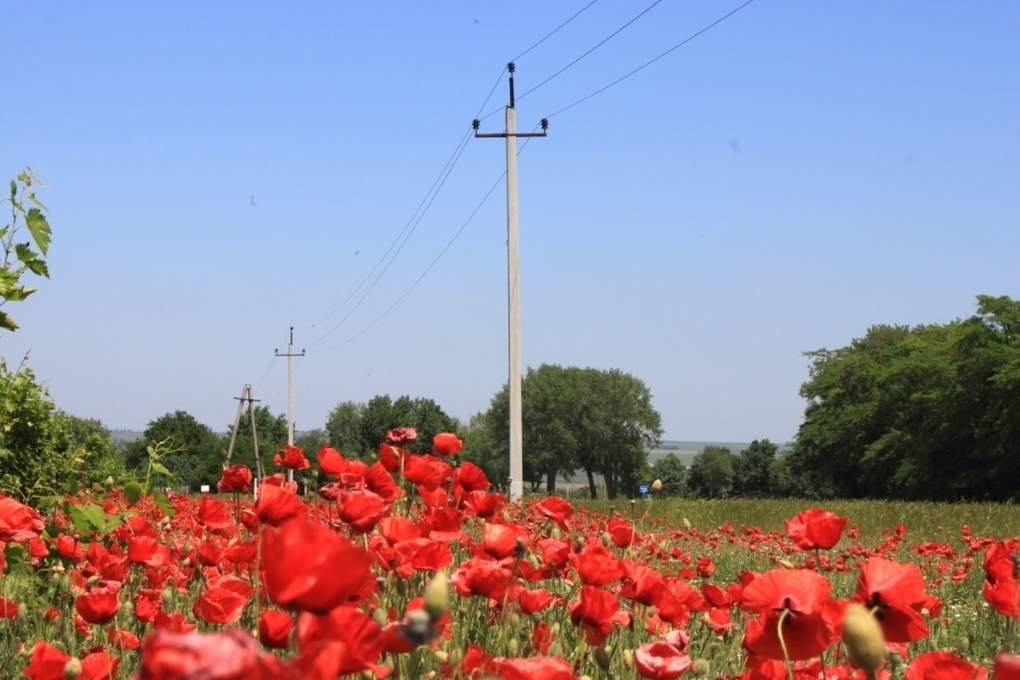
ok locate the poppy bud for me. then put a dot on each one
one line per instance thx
(512, 646)
(72, 669)
(657, 486)
(437, 596)
(862, 636)
(628, 658)
(602, 658)
(687, 524)
(700, 668)
(441, 656)
(520, 549)
(786, 563)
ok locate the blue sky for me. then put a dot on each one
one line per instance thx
(794, 175)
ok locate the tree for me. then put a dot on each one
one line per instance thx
(924, 413)
(711, 474)
(44, 451)
(754, 475)
(194, 456)
(344, 429)
(381, 415)
(672, 473)
(20, 257)
(601, 421)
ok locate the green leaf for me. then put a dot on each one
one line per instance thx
(39, 268)
(7, 323)
(25, 252)
(133, 491)
(39, 228)
(163, 503)
(14, 190)
(72, 487)
(32, 197)
(15, 554)
(161, 469)
(79, 518)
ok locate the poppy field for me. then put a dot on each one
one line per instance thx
(411, 567)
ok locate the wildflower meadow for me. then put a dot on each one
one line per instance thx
(411, 567)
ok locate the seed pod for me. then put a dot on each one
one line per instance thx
(863, 638)
(437, 596)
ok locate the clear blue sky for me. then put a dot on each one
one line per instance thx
(799, 172)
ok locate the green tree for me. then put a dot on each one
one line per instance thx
(711, 473)
(601, 421)
(195, 456)
(672, 473)
(924, 413)
(754, 475)
(344, 430)
(18, 255)
(43, 450)
(381, 415)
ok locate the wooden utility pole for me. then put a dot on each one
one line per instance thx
(513, 285)
(246, 396)
(290, 393)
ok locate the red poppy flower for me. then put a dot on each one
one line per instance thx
(896, 592)
(99, 605)
(276, 505)
(446, 444)
(400, 436)
(275, 628)
(235, 478)
(219, 605)
(470, 477)
(501, 540)
(212, 514)
(361, 509)
(300, 566)
(596, 613)
(291, 458)
(814, 528)
(557, 509)
(1007, 667)
(797, 600)
(99, 665)
(8, 608)
(482, 577)
(18, 522)
(660, 661)
(47, 662)
(535, 668)
(596, 566)
(534, 601)
(356, 629)
(231, 655)
(331, 462)
(484, 505)
(943, 666)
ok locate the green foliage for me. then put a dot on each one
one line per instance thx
(754, 474)
(176, 451)
(42, 450)
(601, 421)
(711, 473)
(924, 413)
(20, 257)
(672, 473)
(357, 429)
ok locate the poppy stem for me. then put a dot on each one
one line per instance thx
(782, 643)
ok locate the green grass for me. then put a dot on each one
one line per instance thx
(923, 521)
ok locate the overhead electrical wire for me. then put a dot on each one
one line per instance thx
(652, 61)
(441, 180)
(600, 44)
(579, 12)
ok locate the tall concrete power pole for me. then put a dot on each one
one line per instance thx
(290, 392)
(513, 285)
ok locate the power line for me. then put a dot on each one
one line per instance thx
(649, 63)
(603, 42)
(553, 33)
(460, 150)
(432, 264)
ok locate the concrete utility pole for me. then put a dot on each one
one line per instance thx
(249, 397)
(290, 393)
(513, 285)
